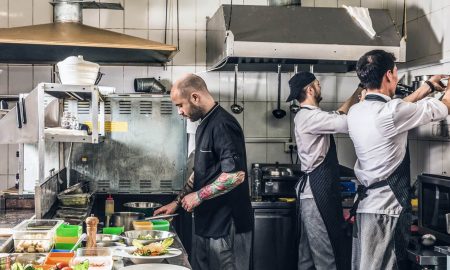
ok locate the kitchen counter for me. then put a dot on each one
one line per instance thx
(10, 218)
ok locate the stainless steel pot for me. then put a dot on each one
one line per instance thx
(126, 219)
(143, 207)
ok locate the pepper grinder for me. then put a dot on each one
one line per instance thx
(91, 229)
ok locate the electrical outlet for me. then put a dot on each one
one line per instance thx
(289, 145)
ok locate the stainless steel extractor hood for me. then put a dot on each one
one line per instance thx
(50, 43)
(258, 38)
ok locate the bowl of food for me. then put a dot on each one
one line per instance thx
(147, 237)
(110, 240)
(152, 253)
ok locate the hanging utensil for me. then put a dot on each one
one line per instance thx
(294, 107)
(235, 108)
(278, 112)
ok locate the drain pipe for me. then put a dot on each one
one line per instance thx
(67, 11)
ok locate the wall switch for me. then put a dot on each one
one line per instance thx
(289, 145)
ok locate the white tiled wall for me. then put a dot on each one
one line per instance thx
(428, 23)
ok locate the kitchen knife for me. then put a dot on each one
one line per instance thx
(162, 217)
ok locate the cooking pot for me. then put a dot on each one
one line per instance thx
(146, 208)
(75, 70)
(125, 219)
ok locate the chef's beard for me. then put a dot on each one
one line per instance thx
(317, 96)
(196, 112)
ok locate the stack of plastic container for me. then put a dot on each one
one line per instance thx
(67, 236)
(35, 236)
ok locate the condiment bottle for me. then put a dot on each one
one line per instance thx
(109, 209)
(91, 229)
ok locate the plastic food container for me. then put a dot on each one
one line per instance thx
(68, 240)
(35, 236)
(31, 258)
(66, 230)
(113, 230)
(161, 224)
(99, 258)
(59, 257)
(142, 225)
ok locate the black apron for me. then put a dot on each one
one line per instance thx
(399, 182)
(324, 183)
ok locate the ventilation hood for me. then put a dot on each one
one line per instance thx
(259, 38)
(50, 43)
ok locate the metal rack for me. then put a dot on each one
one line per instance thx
(33, 124)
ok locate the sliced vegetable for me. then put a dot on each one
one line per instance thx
(167, 243)
(28, 267)
(136, 243)
(82, 266)
(17, 266)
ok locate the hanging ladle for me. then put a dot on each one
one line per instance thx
(294, 107)
(235, 108)
(278, 112)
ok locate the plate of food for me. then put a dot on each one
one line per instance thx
(151, 253)
(155, 266)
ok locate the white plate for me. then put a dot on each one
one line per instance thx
(126, 252)
(155, 266)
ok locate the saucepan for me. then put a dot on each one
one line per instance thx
(126, 219)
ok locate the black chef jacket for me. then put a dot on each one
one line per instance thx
(220, 147)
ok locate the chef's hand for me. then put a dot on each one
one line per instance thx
(436, 81)
(166, 209)
(191, 201)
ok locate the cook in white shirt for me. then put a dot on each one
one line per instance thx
(378, 127)
(323, 242)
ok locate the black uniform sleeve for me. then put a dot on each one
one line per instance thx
(228, 145)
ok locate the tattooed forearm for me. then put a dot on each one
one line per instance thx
(223, 184)
(188, 188)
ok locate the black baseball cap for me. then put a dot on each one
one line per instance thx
(298, 82)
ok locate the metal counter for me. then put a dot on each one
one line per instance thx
(10, 218)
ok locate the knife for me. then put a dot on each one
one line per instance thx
(162, 217)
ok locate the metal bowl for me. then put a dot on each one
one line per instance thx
(143, 207)
(155, 235)
(110, 240)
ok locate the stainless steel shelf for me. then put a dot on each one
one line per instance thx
(74, 138)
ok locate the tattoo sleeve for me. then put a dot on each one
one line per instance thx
(188, 188)
(223, 184)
